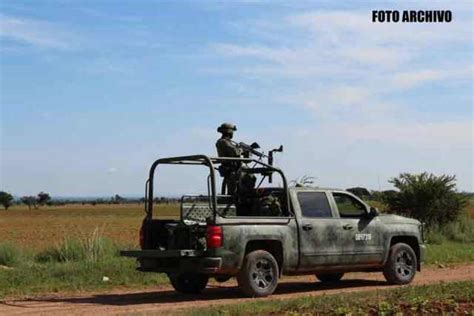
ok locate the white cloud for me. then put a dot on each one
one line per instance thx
(414, 78)
(346, 60)
(112, 170)
(34, 32)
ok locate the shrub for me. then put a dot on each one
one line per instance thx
(90, 248)
(10, 255)
(426, 197)
(435, 237)
(461, 230)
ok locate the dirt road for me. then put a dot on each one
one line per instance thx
(165, 300)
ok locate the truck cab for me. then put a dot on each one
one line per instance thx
(320, 231)
(339, 229)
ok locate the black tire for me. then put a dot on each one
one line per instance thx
(259, 274)
(189, 283)
(329, 277)
(401, 264)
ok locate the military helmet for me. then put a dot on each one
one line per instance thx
(226, 127)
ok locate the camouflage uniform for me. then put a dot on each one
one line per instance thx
(229, 170)
(247, 201)
(251, 203)
(269, 206)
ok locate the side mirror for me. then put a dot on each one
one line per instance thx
(373, 212)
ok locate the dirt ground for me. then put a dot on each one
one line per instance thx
(164, 300)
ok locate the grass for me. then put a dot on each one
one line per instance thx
(461, 230)
(450, 252)
(75, 276)
(81, 265)
(452, 298)
(76, 264)
(89, 248)
(10, 255)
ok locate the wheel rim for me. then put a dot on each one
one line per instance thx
(404, 264)
(263, 274)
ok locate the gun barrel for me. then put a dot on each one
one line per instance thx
(251, 150)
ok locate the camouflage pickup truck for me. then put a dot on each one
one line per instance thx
(325, 232)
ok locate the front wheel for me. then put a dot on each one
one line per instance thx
(400, 267)
(188, 283)
(259, 274)
(329, 277)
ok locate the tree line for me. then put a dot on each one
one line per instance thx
(432, 199)
(43, 198)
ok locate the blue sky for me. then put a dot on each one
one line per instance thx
(93, 91)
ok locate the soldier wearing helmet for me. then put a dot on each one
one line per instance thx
(227, 148)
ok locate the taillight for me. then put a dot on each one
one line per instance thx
(142, 238)
(214, 236)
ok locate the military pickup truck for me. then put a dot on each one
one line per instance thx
(325, 232)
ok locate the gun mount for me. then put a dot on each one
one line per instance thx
(252, 149)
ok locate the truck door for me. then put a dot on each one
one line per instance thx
(361, 235)
(319, 230)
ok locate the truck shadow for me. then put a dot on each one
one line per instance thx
(213, 292)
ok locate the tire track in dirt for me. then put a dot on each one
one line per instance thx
(165, 300)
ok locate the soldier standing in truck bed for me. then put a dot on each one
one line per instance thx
(227, 148)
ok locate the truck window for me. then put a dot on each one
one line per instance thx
(348, 206)
(314, 204)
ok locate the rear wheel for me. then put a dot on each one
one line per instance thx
(400, 267)
(259, 274)
(329, 277)
(189, 283)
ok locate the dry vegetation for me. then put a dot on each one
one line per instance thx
(49, 225)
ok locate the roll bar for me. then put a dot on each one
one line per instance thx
(206, 161)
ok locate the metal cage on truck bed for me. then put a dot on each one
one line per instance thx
(202, 207)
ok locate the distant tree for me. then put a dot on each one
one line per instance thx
(117, 199)
(29, 200)
(360, 192)
(6, 199)
(429, 198)
(43, 198)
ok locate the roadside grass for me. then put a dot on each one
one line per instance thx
(461, 230)
(10, 255)
(75, 276)
(451, 298)
(76, 266)
(450, 252)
